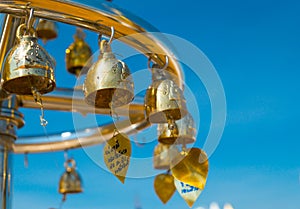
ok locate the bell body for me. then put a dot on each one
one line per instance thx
(163, 155)
(70, 182)
(28, 66)
(46, 30)
(182, 132)
(187, 130)
(108, 83)
(77, 56)
(164, 101)
(167, 133)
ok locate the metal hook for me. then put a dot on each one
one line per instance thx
(165, 66)
(112, 34)
(30, 19)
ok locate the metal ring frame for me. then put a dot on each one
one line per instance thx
(101, 22)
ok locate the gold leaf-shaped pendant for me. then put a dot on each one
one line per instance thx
(164, 187)
(117, 152)
(192, 169)
(189, 193)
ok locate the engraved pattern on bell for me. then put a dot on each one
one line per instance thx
(108, 82)
(164, 101)
(78, 55)
(27, 66)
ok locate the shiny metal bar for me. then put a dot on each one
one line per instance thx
(77, 139)
(100, 20)
(72, 100)
(5, 175)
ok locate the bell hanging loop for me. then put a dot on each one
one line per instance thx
(108, 83)
(78, 54)
(164, 100)
(70, 181)
(28, 65)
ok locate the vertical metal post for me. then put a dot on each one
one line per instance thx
(10, 120)
(8, 34)
(5, 176)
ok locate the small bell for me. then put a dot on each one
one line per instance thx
(46, 30)
(168, 132)
(187, 130)
(164, 100)
(70, 181)
(182, 131)
(163, 154)
(28, 66)
(78, 54)
(108, 82)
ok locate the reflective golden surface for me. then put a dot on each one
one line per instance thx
(78, 54)
(187, 130)
(164, 100)
(70, 181)
(161, 157)
(167, 132)
(108, 82)
(192, 169)
(164, 187)
(46, 30)
(28, 66)
(117, 152)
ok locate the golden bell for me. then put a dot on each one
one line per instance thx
(168, 132)
(162, 156)
(164, 100)
(70, 181)
(78, 54)
(46, 30)
(108, 82)
(28, 66)
(182, 131)
(187, 130)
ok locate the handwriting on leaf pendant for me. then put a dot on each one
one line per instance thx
(117, 154)
(188, 188)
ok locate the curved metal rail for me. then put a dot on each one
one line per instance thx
(100, 21)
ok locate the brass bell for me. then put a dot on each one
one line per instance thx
(78, 54)
(182, 131)
(46, 30)
(70, 181)
(187, 130)
(168, 132)
(28, 66)
(163, 154)
(108, 82)
(164, 100)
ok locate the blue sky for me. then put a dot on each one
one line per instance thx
(254, 46)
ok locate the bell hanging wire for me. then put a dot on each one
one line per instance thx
(70, 181)
(28, 65)
(78, 54)
(164, 100)
(108, 83)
